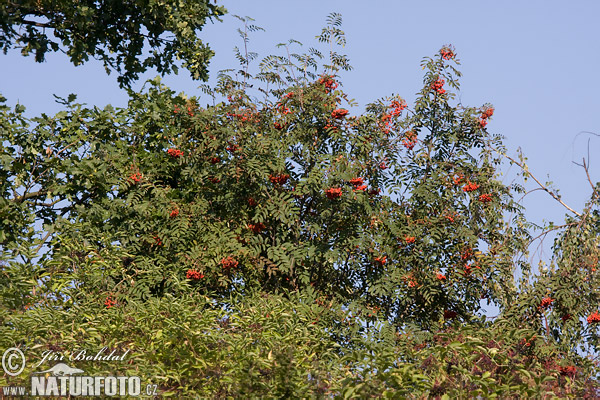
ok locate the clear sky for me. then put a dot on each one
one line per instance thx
(535, 61)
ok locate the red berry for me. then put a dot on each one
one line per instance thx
(333, 193)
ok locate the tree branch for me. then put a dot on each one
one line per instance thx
(544, 187)
(38, 24)
(27, 196)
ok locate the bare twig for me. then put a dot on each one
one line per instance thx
(544, 187)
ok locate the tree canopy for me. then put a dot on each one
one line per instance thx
(273, 243)
(128, 36)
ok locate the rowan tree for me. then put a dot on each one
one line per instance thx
(285, 246)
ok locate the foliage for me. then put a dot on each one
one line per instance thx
(283, 247)
(127, 36)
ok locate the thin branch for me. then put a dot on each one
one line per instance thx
(38, 24)
(43, 242)
(27, 196)
(587, 173)
(545, 188)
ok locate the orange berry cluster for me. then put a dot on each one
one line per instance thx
(229, 263)
(447, 53)
(438, 86)
(135, 177)
(381, 260)
(546, 302)
(410, 140)
(110, 302)
(175, 153)
(194, 274)
(280, 179)
(397, 106)
(257, 228)
(485, 198)
(488, 112)
(358, 184)
(594, 318)
(339, 113)
(329, 83)
(333, 193)
(470, 187)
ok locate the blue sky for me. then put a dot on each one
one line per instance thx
(535, 61)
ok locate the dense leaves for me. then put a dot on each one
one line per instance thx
(127, 36)
(285, 247)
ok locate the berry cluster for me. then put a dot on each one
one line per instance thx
(194, 274)
(466, 254)
(356, 181)
(381, 260)
(438, 86)
(358, 184)
(110, 302)
(229, 263)
(440, 276)
(232, 148)
(468, 270)
(594, 318)
(175, 153)
(488, 112)
(174, 213)
(447, 53)
(257, 228)
(135, 177)
(569, 370)
(397, 106)
(214, 160)
(157, 240)
(410, 140)
(339, 113)
(546, 302)
(252, 202)
(247, 115)
(409, 239)
(470, 187)
(333, 193)
(485, 198)
(458, 179)
(329, 83)
(280, 179)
